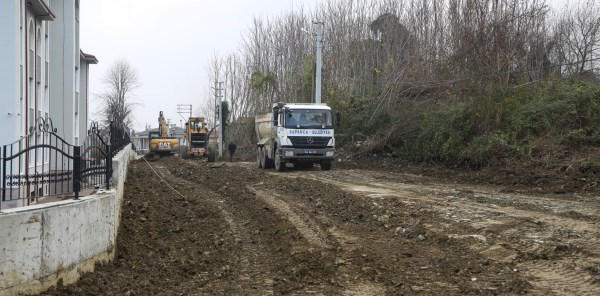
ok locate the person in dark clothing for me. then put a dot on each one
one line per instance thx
(231, 148)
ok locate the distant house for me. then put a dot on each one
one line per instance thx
(43, 72)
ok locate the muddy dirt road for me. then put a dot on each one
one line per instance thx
(232, 229)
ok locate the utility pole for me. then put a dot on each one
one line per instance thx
(184, 109)
(219, 98)
(319, 28)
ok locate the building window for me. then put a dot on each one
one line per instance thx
(38, 74)
(46, 55)
(30, 77)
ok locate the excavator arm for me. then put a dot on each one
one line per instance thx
(162, 125)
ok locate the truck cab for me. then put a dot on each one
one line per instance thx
(301, 134)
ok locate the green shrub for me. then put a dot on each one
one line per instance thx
(493, 128)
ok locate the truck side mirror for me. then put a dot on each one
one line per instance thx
(275, 117)
(338, 118)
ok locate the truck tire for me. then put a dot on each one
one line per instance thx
(259, 161)
(184, 152)
(279, 165)
(325, 165)
(267, 163)
(211, 154)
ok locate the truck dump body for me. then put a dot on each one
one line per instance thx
(263, 125)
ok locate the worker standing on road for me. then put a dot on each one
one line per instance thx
(231, 148)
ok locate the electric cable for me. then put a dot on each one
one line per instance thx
(162, 179)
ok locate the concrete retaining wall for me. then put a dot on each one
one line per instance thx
(43, 244)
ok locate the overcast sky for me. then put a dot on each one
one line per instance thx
(170, 43)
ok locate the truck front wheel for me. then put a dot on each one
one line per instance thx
(279, 165)
(325, 165)
(211, 154)
(185, 154)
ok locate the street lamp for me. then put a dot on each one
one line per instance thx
(319, 59)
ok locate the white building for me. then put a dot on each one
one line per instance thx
(43, 72)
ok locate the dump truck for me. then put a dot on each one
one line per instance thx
(160, 143)
(196, 139)
(300, 134)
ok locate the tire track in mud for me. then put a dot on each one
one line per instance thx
(253, 277)
(562, 277)
(461, 209)
(536, 227)
(317, 239)
(306, 226)
(309, 225)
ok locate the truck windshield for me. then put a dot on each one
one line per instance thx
(306, 118)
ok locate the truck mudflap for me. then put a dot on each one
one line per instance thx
(307, 154)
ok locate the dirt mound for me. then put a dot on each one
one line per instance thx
(196, 228)
(523, 177)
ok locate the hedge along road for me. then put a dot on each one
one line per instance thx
(195, 228)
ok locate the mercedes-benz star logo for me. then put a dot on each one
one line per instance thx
(309, 140)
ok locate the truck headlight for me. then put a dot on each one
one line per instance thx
(329, 153)
(288, 153)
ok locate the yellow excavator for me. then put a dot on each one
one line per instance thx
(160, 142)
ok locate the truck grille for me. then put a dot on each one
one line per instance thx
(310, 142)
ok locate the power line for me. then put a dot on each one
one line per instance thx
(162, 179)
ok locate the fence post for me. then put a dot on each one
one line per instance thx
(110, 133)
(108, 166)
(76, 170)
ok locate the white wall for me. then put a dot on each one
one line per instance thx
(9, 71)
(44, 243)
(64, 57)
(83, 101)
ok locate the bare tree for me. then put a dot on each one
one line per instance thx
(380, 55)
(578, 34)
(121, 80)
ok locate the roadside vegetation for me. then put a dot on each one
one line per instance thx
(464, 83)
(542, 123)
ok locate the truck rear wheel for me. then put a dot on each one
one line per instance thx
(259, 161)
(325, 165)
(267, 163)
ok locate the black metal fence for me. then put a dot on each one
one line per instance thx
(119, 138)
(43, 164)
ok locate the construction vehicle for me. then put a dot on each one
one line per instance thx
(160, 142)
(196, 139)
(301, 134)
